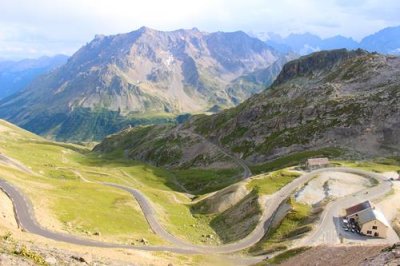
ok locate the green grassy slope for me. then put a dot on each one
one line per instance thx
(57, 189)
(62, 198)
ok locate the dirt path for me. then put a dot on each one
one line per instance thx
(331, 184)
(7, 216)
(14, 163)
(242, 164)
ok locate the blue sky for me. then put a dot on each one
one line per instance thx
(31, 28)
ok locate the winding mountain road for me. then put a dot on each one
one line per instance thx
(26, 219)
(238, 161)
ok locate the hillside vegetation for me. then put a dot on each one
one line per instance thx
(331, 103)
(56, 183)
(60, 180)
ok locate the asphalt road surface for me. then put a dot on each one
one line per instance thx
(24, 214)
(26, 220)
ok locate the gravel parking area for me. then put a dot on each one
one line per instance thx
(331, 184)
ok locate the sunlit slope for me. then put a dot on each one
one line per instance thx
(56, 182)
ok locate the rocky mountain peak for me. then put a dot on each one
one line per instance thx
(150, 72)
(145, 29)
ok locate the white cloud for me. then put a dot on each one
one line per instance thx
(54, 26)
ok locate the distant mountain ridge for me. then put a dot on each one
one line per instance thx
(385, 41)
(143, 73)
(336, 101)
(16, 75)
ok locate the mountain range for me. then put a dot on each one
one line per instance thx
(16, 75)
(153, 77)
(385, 41)
(145, 76)
(340, 101)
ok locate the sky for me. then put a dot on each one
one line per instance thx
(33, 28)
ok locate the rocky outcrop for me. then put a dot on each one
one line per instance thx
(318, 62)
(222, 200)
(388, 256)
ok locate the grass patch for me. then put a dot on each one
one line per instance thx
(102, 209)
(379, 165)
(295, 223)
(286, 255)
(296, 218)
(6, 236)
(61, 174)
(275, 248)
(238, 221)
(201, 181)
(31, 255)
(269, 184)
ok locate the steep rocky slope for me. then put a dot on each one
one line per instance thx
(334, 255)
(342, 99)
(166, 145)
(388, 256)
(118, 80)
